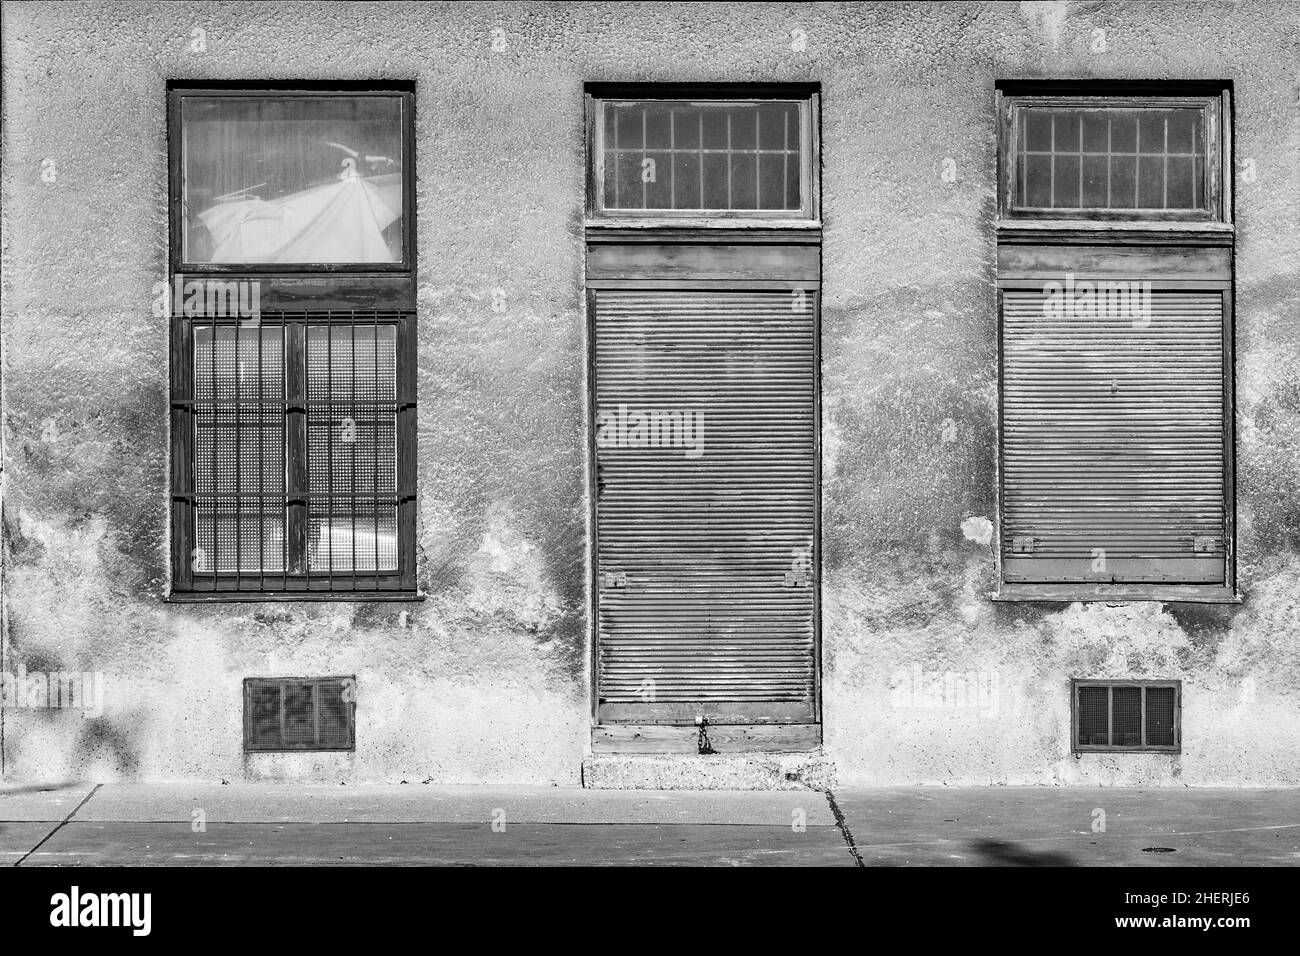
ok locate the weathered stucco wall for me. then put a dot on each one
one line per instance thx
(488, 679)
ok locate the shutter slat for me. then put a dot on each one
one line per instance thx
(1113, 439)
(706, 542)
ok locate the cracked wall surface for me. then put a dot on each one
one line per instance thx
(488, 679)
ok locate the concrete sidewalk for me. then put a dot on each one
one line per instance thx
(247, 824)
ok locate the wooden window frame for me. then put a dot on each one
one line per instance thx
(1175, 685)
(808, 96)
(1214, 98)
(1167, 241)
(296, 296)
(178, 93)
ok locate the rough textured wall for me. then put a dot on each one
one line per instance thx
(488, 678)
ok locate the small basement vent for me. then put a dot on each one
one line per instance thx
(1127, 715)
(299, 714)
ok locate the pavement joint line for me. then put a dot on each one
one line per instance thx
(418, 823)
(844, 828)
(66, 820)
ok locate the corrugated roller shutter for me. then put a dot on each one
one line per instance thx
(1113, 440)
(705, 558)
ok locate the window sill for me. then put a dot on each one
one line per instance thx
(1085, 231)
(1118, 593)
(246, 597)
(698, 222)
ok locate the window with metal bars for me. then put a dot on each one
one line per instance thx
(1126, 715)
(298, 479)
(293, 422)
(283, 714)
(689, 156)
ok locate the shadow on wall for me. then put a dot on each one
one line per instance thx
(106, 747)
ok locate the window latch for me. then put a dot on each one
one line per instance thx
(1204, 543)
(614, 579)
(1022, 544)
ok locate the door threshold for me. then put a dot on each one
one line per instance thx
(723, 738)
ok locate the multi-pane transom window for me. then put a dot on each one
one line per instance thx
(1152, 158)
(1118, 715)
(668, 158)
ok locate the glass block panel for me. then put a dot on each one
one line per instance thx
(1126, 716)
(1110, 158)
(1160, 716)
(292, 179)
(239, 449)
(352, 447)
(1093, 720)
(706, 156)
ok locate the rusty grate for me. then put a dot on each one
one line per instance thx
(299, 714)
(1126, 715)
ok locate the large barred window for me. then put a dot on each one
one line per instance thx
(293, 342)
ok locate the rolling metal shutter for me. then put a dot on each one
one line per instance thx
(1113, 442)
(705, 562)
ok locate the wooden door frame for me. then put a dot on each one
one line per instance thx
(681, 734)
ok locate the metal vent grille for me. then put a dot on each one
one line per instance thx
(299, 714)
(1126, 715)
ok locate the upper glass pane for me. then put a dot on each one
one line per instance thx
(1110, 158)
(292, 180)
(676, 156)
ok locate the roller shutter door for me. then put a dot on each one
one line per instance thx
(1113, 441)
(705, 559)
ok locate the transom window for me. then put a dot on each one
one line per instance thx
(292, 180)
(696, 158)
(1109, 157)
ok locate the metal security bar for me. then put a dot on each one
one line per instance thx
(296, 439)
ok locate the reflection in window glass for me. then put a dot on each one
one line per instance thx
(292, 179)
(702, 156)
(1074, 158)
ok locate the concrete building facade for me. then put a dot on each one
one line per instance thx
(928, 668)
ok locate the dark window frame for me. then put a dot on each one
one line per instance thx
(1212, 97)
(295, 296)
(178, 92)
(807, 95)
(1177, 687)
